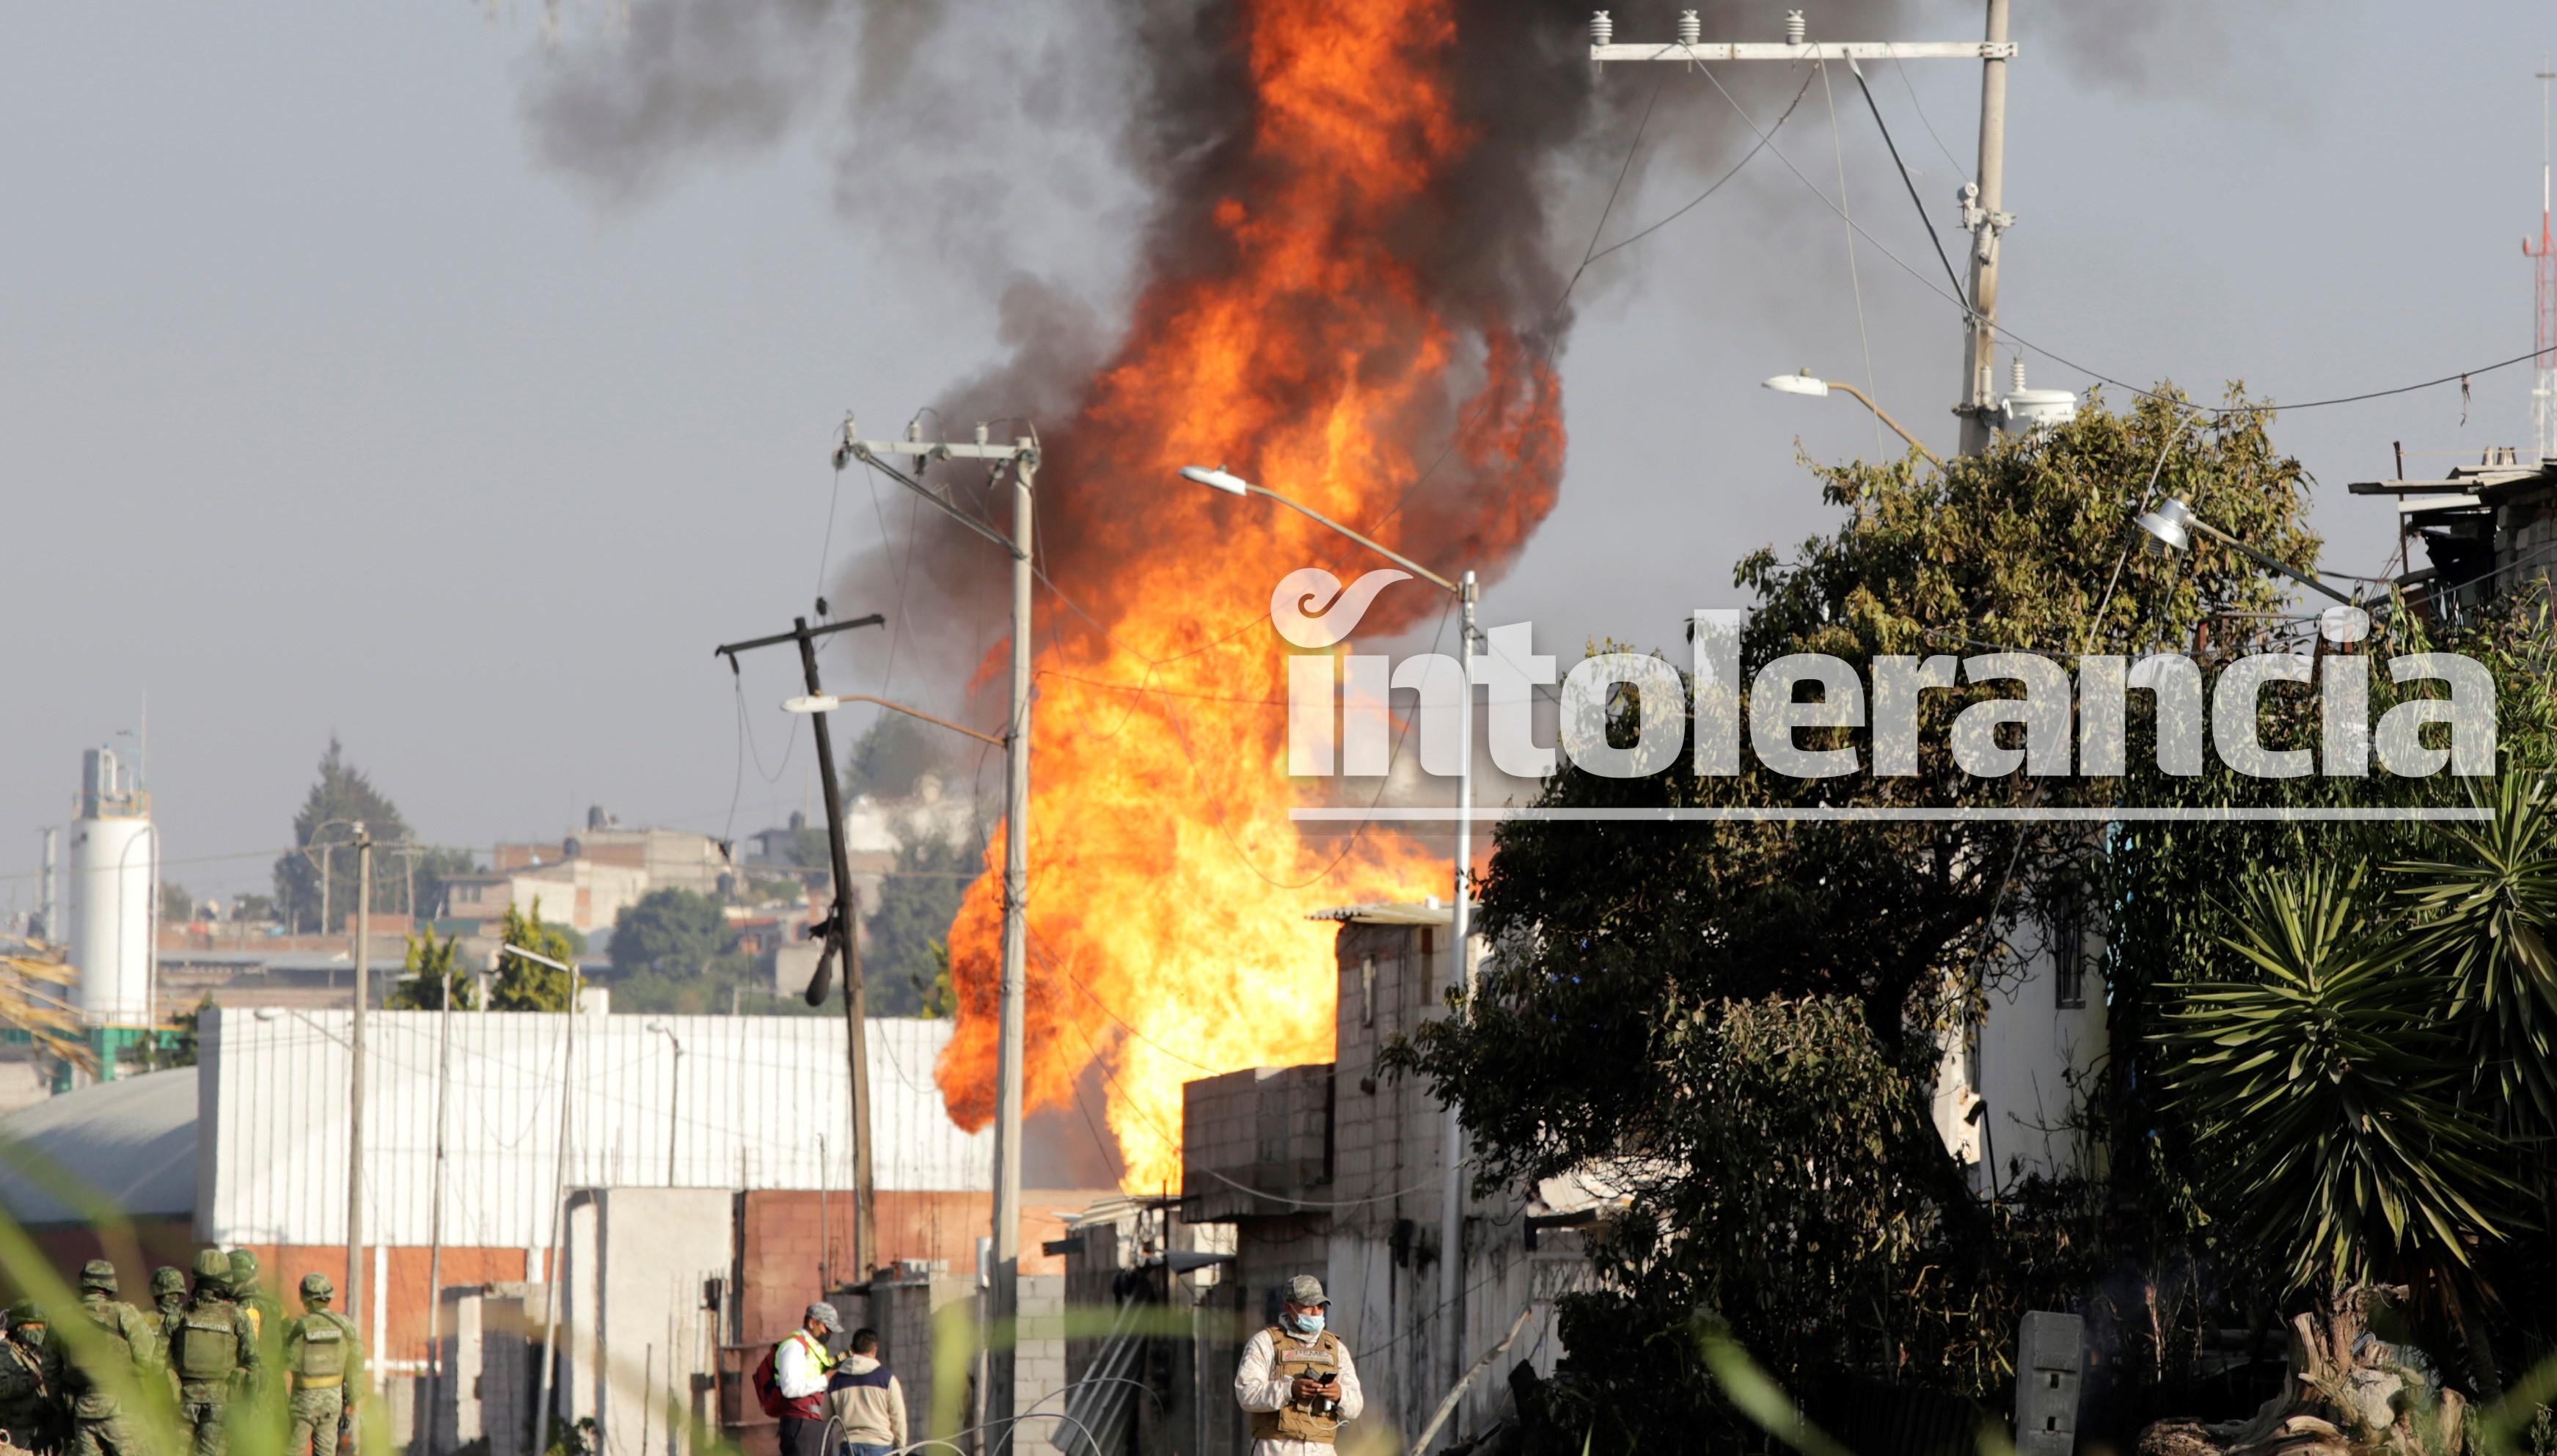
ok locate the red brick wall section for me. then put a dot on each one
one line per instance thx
(150, 1244)
(783, 1243)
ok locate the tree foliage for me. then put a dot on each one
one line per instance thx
(1639, 966)
(429, 973)
(893, 756)
(674, 950)
(906, 954)
(529, 985)
(405, 881)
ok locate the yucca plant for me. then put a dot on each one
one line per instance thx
(2322, 1076)
(2485, 902)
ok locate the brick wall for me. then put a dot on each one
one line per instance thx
(782, 1242)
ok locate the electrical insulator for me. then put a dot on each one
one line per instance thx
(1690, 29)
(1795, 30)
(1602, 29)
(2019, 374)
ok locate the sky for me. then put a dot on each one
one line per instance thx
(333, 405)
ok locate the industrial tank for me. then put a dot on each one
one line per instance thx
(114, 873)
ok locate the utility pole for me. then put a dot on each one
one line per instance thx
(435, 1387)
(355, 1090)
(1984, 223)
(1980, 199)
(1022, 460)
(559, 1189)
(841, 925)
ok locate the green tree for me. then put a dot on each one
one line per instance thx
(429, 973)
(891, 757)
(323, 836)
(176, 904)
(672, 932)
(184, 1046)
(1616, 940)
(529, 985)
(905, 952)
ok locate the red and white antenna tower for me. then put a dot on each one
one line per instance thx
(2543, 394)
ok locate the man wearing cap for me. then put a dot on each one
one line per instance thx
(799, 1366)
(101, 1427)
(321, 1350)
(1297, 1379)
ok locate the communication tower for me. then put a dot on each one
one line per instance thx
(2543, 391)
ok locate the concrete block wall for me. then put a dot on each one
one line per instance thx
(1038, 1365)
(1266, 1129)
(1387, 1134)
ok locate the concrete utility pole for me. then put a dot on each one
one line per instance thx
(355, 1089)
(1980, 199)
(559, 1189)
(1022, 460)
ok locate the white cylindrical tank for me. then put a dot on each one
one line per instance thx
(114, 868)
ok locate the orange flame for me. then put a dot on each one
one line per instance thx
(1168, 890)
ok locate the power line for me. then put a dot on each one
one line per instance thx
(2007, 332)
(1905, 179)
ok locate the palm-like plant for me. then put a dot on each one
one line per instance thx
(2331, 1087)
(2484, 904)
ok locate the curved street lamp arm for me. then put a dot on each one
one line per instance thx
(911, 712)
(1861, 397)
(2266, 561)
(1399, 559)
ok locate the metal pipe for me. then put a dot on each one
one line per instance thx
(355, 1079)
(1866, 400)
(1451, 1193)
(1004, 1295)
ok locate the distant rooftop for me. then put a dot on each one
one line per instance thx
(1430, 911)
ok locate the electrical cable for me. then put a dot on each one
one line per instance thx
(1854, 276)
(1905, 179)
(1915, 106)
(1733, 171)
(2004, 331)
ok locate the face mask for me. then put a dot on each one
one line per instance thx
(1306, 1324)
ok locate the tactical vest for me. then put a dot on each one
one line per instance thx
(324, 1351)
(207, 1344)
(92, 1399)
(1317, 1421)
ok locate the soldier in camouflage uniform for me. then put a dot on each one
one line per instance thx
(30, 1379)
(101, 1427)
(215, 1352)
(168, 1300)
(262, 1409)
(323, 1353)
(168, 1306)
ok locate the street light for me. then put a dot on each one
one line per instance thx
(1811, 386)
(674, 1097)
(1451, 1209)
(2170, 527)
(559, 1187)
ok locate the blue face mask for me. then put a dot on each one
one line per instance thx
(1305, 1324)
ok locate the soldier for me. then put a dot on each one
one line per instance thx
(320, 1350)
(168, 1298)
(169, 1305)
(30, 1378)
(264, 1406)
(265, 1314)
(101, 1427)
(215, 1352)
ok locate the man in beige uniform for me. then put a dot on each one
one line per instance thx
(1297, 1379)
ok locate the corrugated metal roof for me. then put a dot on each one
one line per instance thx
(1384, 912)
(131, 1140)
(755, 1096)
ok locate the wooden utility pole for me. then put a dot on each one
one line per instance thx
(842, 926)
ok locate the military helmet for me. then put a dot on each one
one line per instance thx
(317, 1287)
(98, 1273)
(166, 1281)
(212, 1269)
(244, 1268)
(26, 1312)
